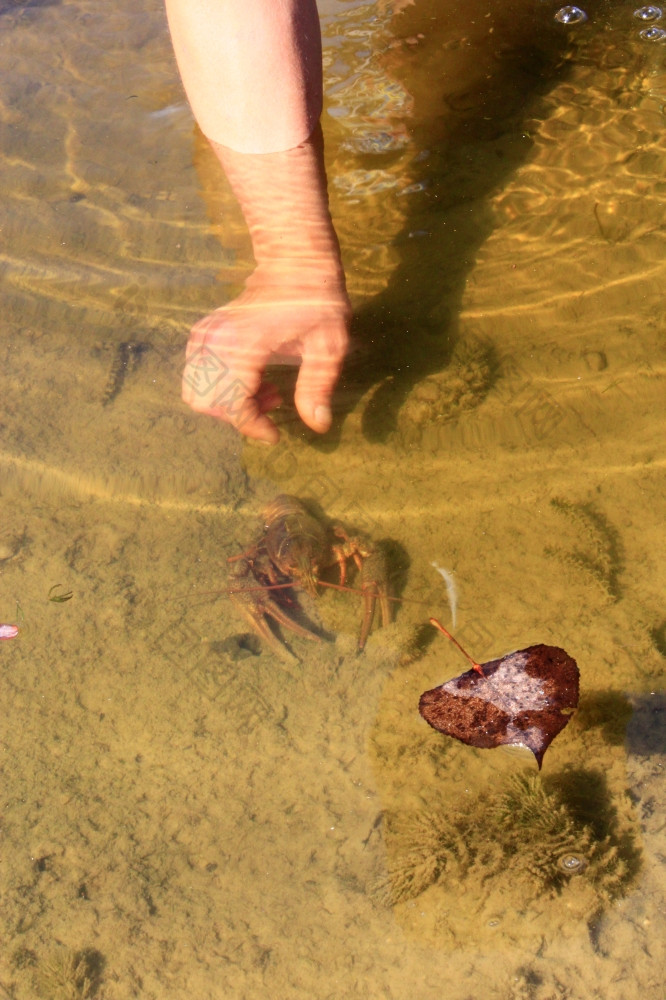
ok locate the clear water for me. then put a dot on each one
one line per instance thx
(185, 815)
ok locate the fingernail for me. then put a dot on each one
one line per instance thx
(323, 416)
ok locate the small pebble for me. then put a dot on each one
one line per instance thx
(595, 360)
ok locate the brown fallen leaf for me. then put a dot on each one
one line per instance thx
(524, 698)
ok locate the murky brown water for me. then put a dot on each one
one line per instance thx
(185, 816)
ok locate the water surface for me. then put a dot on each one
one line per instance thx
(184, 813)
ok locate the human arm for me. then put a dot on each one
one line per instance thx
(252, 71)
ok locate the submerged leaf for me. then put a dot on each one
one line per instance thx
(524, 698)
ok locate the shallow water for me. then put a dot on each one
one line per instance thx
(183, 812)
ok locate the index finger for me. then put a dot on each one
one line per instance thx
(228, 388)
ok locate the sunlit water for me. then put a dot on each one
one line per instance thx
(185, 815)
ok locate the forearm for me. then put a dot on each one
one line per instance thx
(251, 69)
(284, 200)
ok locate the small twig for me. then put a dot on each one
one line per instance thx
(59, 598)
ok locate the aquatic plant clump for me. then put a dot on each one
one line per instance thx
(67, 975)
(424, 846)
(526, 835)
(542, 836)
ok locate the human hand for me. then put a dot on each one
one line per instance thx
(294, 308)
(284, 316)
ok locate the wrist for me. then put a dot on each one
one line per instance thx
(302, 265)
(287, 280)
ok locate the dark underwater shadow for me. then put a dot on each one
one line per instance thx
(19, 6)
(477, 76)
(646, 732)
(609, 712)
(634, 721)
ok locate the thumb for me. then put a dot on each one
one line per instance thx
(319, 372)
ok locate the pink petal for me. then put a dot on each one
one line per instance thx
(8, 631)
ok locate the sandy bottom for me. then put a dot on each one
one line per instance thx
(185, 814)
